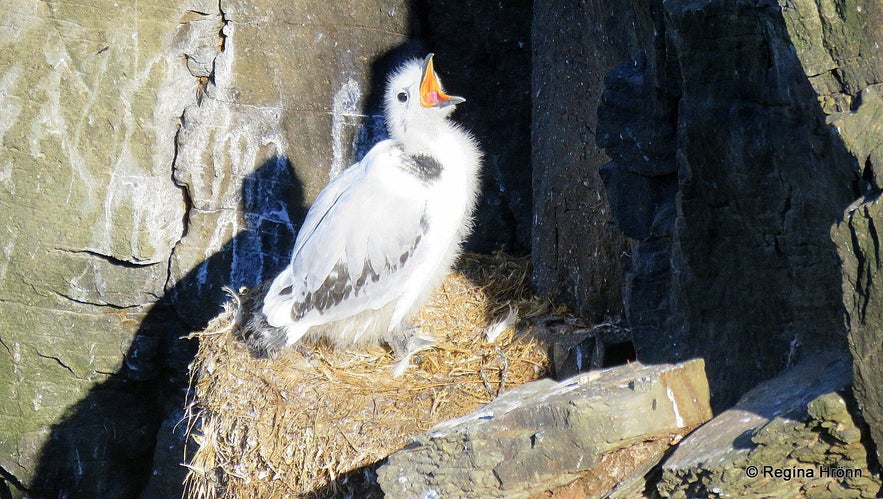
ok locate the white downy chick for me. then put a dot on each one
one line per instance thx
(383, 234)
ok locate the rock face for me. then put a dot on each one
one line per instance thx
(543, 434)
(89, 217)
(484, 50)
(263, 141)
(792, 436)
(576, 251)
(145, 163)
(727, 172)
(151, 156)
(860, 250)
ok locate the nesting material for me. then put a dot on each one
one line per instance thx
(314, 421)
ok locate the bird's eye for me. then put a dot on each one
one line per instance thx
(403, 97)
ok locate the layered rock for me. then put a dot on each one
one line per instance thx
(577, 252)
(860, 249)
(544, 435)
(727, 172)
(151, 156)
(90, 216)
(793, 436)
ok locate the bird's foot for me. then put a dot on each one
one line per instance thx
(405, 344)
(263, 339)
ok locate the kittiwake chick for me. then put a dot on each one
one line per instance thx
(382, 235)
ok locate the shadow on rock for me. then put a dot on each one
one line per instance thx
(118, 440)
(123, 439)
(726, 173)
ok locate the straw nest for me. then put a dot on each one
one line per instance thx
(316, 421)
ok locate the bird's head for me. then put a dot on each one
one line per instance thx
(415, 95)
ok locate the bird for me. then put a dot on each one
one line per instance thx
(383, 234)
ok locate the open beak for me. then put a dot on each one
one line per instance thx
(431, 94)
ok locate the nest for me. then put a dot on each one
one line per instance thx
(316, 422)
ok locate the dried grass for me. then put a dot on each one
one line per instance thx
(312, 424)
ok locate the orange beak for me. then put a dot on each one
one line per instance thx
(431, 93)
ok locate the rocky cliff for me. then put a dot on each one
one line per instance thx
(577, 252)
(152, 153)
(91, 104)
(739, 135)
(721, 158)
(742, 157)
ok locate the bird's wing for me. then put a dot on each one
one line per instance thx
(357, 244)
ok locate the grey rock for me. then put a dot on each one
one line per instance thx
(637, 121)
(762, 180)
(576, 251)
(167, 471)
(543, 435)
(151, 156)
(725, 170)
(89, 217)
(793, 436)
(858, 239)
(494, 68)
(200, 33)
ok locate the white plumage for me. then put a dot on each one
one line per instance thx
(382, 235)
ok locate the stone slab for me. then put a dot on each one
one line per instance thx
(544, 434)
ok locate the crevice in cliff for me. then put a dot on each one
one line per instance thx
(870, 185)
(201, 61)
(8, 350)
(856, 102)
(222, 38)
(60, 363)
(862, 274)
(872, 233)
(96, 303)
(185, 191)
(203, 82)
(113, 260)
